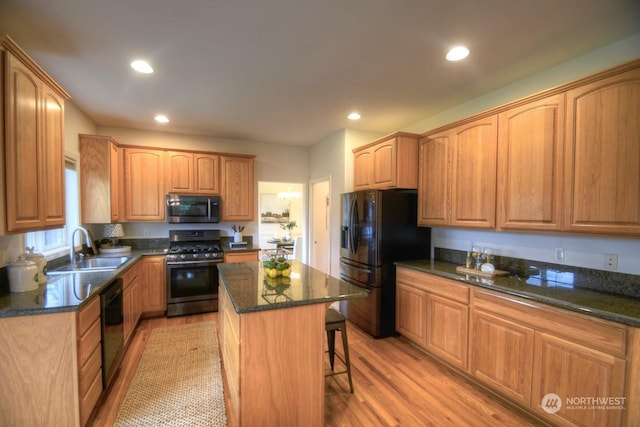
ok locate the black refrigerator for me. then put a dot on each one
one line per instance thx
(378, 228)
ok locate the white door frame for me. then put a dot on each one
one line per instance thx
(312, 209)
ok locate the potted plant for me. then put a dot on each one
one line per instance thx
(288, 226)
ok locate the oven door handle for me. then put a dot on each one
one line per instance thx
(203, 262)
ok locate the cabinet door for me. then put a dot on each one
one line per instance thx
(473, 170)
(433, 179)
(385, 164)
(237, 188)
(502, 355)
(115, 181)
(127, 312)
(362, 169)
(602, 156)
(51, 150)
(411, 313)
(448, 329)
(153, 284)
(574, 371)
(180, 172)
(530, 144)
(207, 173)
(21, 147)
(144, 185)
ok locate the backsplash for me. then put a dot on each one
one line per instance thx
(570, 276)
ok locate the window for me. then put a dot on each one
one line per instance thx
(55, 242)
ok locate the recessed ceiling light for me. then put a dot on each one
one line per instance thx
(142, 66)
(161, 118)
(353, 116)
(457, 53)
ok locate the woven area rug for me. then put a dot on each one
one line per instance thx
(178, 381)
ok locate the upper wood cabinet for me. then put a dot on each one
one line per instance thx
(390, 162)
(602, 156)
(188, 172)
(457, 179)
(144, 184)
(530, 144)
(101, 171)
(237, 188)
(33, 144)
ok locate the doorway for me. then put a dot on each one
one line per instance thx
(320, 220)
(279, 204)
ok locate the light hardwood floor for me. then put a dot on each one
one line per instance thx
(395, 385)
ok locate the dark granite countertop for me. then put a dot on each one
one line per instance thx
(561, 293)
(66, 292)
(251, 290)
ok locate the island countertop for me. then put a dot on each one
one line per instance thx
(250, 289)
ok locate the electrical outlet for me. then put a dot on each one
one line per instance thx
(558, 254)
(145, 232)
(611, 261)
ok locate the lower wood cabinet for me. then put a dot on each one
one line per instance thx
(131, 301)
(433, 314)
(89, 358)
(153, 284)
(576, 371)
(502, 355)
(524, 350)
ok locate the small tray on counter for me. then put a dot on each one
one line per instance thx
(472, 271)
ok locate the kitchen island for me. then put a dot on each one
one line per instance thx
(272, 341)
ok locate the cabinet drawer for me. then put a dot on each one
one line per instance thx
(88, 315)
(592, 332)
(88, 401)
(433, 284)
(89, 370)
(130, 275)
(88, 342)
(241, 257)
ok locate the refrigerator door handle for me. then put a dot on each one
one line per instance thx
(354, 226)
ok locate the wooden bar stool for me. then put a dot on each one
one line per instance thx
(334, 321)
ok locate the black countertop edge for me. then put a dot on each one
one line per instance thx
(616, 308)
(10, 304)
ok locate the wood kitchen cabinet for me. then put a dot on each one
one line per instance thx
(502, 355)
(433, 313)
(457, 178)
(189, 172)
(101, 173)
(602, 156)
(237, 188)
(89, 358)
(52, 367)
(144, 195)
(572, 370)
(530, 147)
(153, 284)
(33, 144)
(131, 300)
(390, 162)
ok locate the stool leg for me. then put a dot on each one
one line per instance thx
(331, 341)
(345, 346)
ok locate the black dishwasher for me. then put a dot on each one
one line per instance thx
(112, 330)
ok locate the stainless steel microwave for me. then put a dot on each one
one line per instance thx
(191, 208)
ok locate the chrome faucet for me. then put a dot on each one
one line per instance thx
(88, 239)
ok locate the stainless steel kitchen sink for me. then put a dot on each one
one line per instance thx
(92, 264)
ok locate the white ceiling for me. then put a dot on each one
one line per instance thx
(289, 71)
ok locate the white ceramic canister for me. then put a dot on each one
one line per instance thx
(23, 275)
(41, 263)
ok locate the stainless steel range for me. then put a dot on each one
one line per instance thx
(192, 272)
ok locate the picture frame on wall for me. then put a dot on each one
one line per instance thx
(273, 210)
